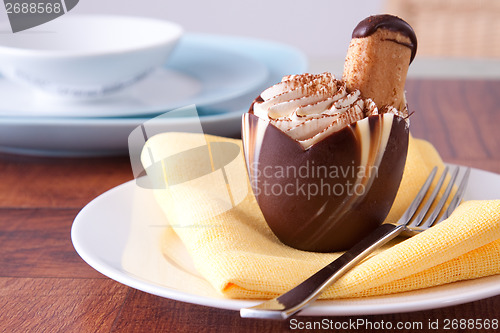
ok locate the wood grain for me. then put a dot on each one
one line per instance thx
(36, 243)
(59, 304)
(46, 287)
(58, 182)
(459, 117)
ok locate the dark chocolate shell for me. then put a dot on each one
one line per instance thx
(330, 196)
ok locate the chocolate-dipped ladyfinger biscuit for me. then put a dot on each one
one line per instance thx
(378, 57)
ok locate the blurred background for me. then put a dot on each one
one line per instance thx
(448, 30)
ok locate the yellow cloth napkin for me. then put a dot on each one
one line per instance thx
(208, 202)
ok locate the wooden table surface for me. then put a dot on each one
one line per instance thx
(45, 286)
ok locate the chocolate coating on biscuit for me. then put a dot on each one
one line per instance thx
(371, 24)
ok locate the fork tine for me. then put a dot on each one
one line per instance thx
(420, 217)
(457, 199)
(435, 213)
(408, 214)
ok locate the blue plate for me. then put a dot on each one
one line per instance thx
(279, 59)
(198, 72)
(63, 136)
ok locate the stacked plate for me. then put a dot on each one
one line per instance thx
(219, 75)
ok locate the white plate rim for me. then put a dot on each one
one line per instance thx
(430, 298)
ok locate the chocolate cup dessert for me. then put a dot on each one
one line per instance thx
(325, 157)
(331, 195)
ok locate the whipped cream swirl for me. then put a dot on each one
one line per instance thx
(310, 107)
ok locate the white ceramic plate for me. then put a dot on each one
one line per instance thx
(196, 73)
(63, 136)
(118, 234)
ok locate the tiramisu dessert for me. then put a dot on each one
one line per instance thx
(325, 156)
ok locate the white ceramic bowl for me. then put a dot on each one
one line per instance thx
(87, 56)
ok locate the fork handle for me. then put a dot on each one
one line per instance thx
(308, 291)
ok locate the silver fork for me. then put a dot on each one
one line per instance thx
(308, 291)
